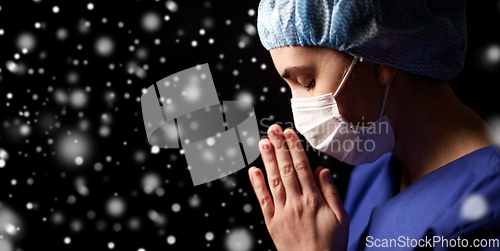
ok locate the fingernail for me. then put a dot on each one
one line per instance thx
(264, 146)
(287, 135)
(276, 130)
(328, 176)
(255, 178)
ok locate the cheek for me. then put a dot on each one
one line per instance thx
(348, 106)
(327, 88)
(329, 84)
(358, 103)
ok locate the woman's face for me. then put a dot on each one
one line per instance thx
(299, 66)
(312, 71)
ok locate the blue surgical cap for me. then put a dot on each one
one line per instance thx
(427, 38)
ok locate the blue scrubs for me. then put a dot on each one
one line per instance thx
(429, 208)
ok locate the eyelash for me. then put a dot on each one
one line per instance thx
(310, 86)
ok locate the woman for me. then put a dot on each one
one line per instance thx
(369, 87)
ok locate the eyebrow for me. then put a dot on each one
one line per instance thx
(286, 72)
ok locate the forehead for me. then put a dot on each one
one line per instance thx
(307, 56)
(293, 54)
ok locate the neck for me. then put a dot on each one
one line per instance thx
(432, 127)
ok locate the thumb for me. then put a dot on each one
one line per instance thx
(331, 194)
(316, 175)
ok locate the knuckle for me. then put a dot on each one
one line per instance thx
(260, 187)
(297, 209)
(287, 170)
(301, 166)
(312, 202)
(269, 161)
(264, 202)
(278, 145)
(330, 191)
(276, 184)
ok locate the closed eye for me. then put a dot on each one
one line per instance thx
(310, 86)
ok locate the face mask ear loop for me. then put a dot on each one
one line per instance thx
(385, 98)
(346, 77)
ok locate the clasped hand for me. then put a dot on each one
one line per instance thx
(305, 212)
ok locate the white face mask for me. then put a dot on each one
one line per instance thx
(319, 120)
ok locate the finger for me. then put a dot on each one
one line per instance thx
(273, 172)
(316, 174)
(259, 186)
(316, 178)
(285, 164)
(300, 162)
(331, 195)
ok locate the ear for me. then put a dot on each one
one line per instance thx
(385, 74)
